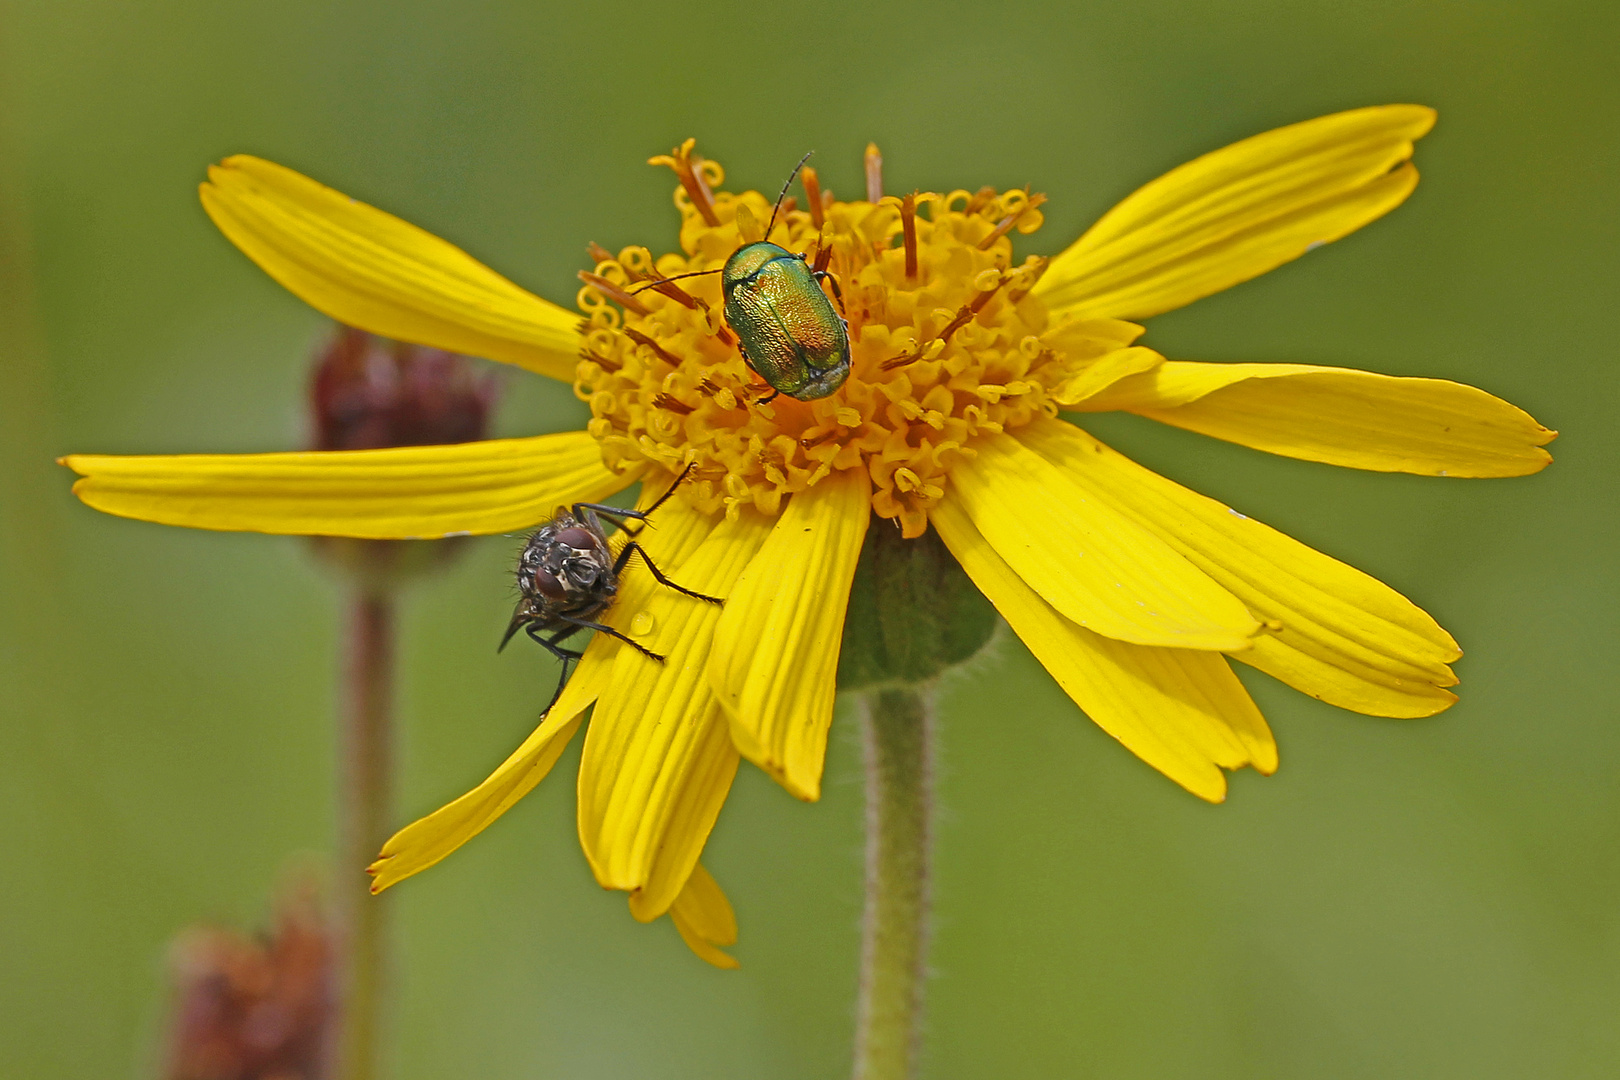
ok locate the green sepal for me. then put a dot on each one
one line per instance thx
(913, 612)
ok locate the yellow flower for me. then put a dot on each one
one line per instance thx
(1132, 590)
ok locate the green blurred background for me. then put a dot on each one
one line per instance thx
(1419, 899)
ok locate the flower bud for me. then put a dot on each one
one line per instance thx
(368, 393)
(253, 1008)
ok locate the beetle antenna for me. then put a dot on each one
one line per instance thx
(783, 195)
(674, 277)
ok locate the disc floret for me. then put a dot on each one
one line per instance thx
(948, 344)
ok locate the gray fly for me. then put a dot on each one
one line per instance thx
(568, 577)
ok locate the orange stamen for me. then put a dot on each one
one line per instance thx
(980, 199)
(908, 224)
(673, 404)
(1028, 274)
(675, 293)
(689, 167)
(642, 339)
(963, 317)
(601, 361)
(812, 196)
(1005, 225)
(824, 259)
(613, 292)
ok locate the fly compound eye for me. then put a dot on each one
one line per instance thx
(547, 584)
(576, 538)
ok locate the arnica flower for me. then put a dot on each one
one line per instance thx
(1134, 592)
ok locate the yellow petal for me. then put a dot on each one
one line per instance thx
(369, 269)
(1180, 710)
(411, 492)
(1104, 372)
(1339, 415)
(658, 759)
(704, 918)
(1234, 214)
(1094, 565)
(698, 789)
(775, 651)
(1333, 632)
(427, 840)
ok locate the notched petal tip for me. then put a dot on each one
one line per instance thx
(493, 486)
(1237, 212)
(372, 270)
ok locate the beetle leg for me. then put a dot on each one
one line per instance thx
(838, 294)
(601, 628)
(633, 548)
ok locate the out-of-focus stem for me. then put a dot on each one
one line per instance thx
(364, 794)
(897, 730)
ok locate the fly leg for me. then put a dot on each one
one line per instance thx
(552, 645)
(576, 625)
(613, 513)
(633, 548)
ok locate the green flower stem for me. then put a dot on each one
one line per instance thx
(897, 730)
(365, 790)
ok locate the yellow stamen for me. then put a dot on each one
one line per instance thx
(874, 174)
(948, 345)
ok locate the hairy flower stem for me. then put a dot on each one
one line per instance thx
(365, 788)
(897, 731)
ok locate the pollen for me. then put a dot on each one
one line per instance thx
(948, 345)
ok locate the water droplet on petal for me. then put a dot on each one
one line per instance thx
(642, 624)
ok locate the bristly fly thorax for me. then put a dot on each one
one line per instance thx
(566, 568)
(567, 576)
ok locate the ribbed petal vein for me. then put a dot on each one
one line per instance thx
(1333, 632)
(1182, 711)
(424, 842)
(775, 653)
(414, 492)
(1106, 371)
(704, 918)
(658, 758)
(1360, 419)
(370, 269)
(1237, 212)
(1096, 566)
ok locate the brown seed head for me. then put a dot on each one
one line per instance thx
(249, 1008)
(368, 393)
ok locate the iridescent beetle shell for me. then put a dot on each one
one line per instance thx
(787, 329)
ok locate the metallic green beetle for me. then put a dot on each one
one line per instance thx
(787, 329)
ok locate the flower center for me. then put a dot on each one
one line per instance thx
(947, 344)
